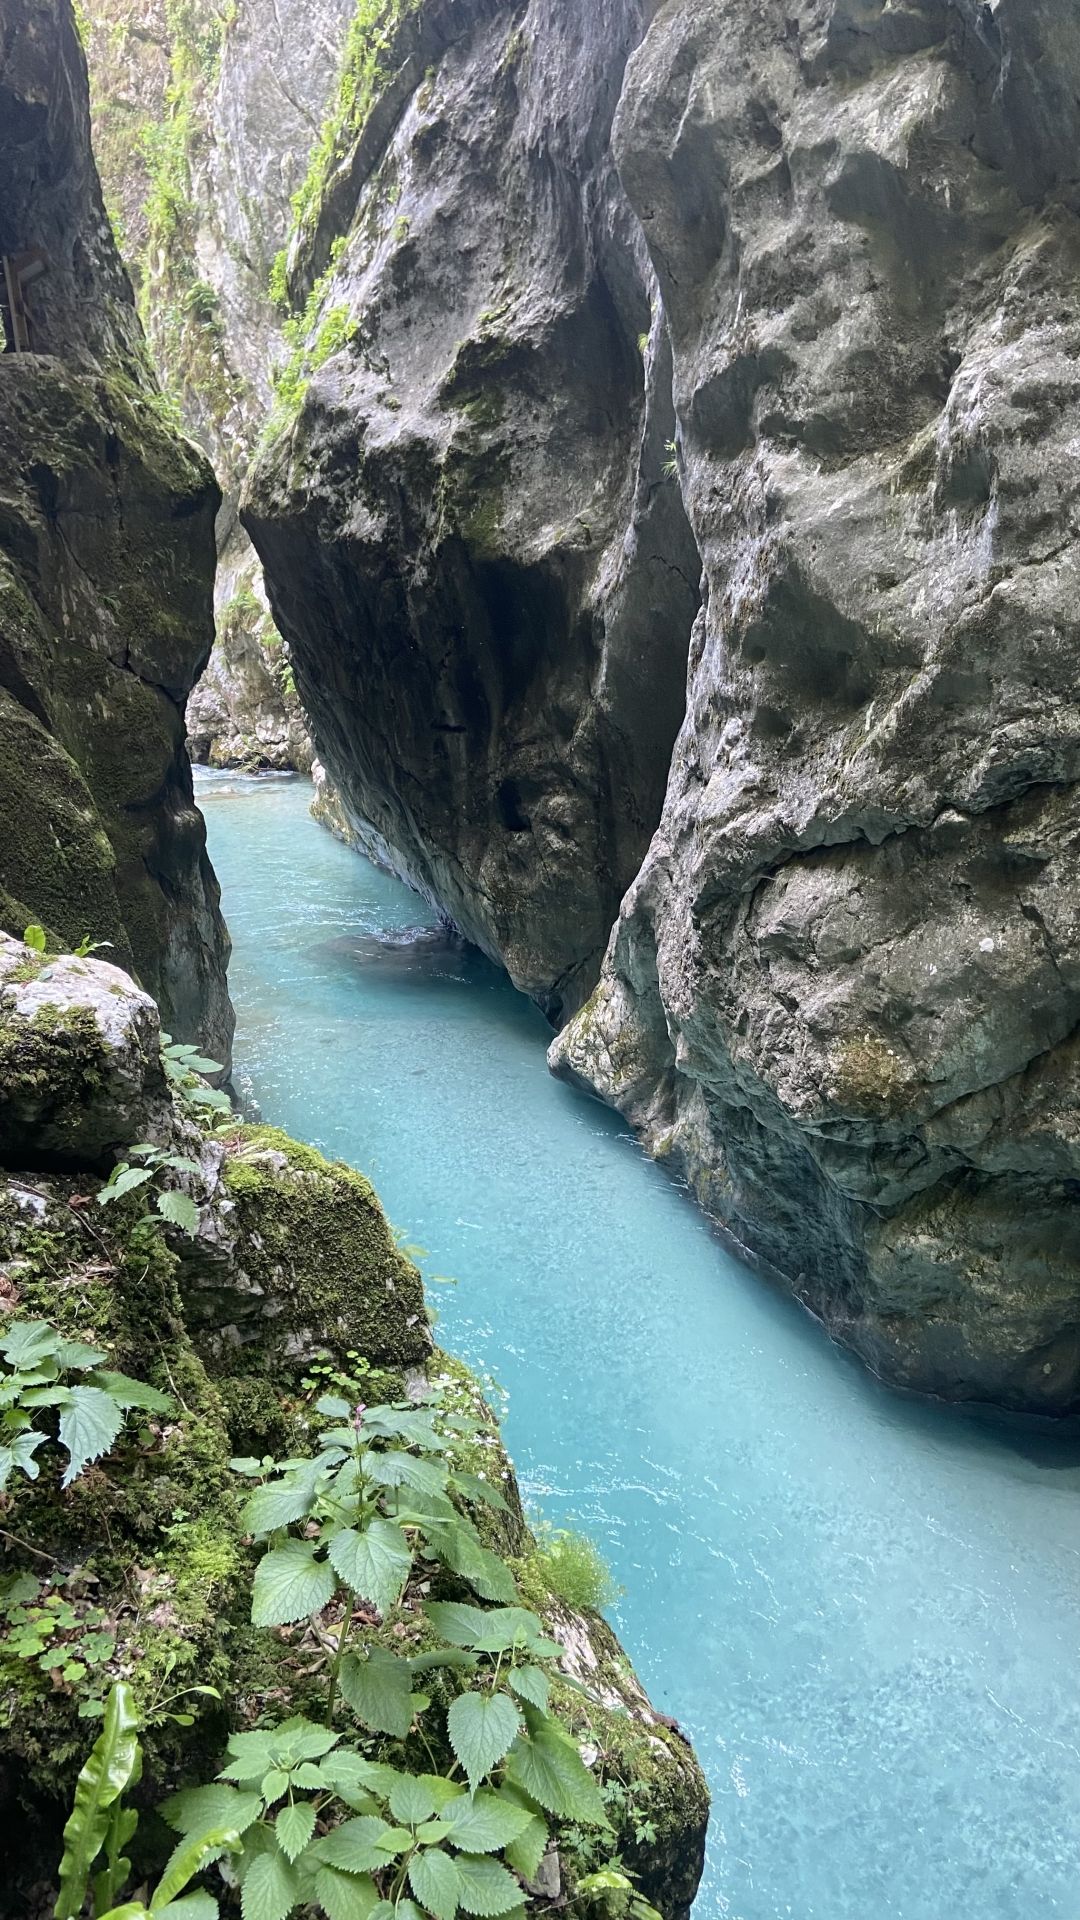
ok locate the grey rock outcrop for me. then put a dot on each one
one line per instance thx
(106, 566)
(843, 995)
(472, 545)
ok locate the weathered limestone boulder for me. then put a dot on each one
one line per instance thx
(843, 994)
(245, 711)
(106, 567)
(80, 1060)
(472, 546)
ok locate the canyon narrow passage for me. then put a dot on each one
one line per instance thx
(863, 1609)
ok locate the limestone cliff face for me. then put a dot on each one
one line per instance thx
(106, 565)
(203, 118)
(843, 994)
(482, 569)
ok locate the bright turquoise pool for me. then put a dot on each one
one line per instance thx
(865, 1611)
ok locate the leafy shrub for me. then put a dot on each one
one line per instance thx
(34, 1360)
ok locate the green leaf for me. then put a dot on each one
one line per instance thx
(193, 1906)
(405, 1470)
(124, 1180)
(457, 1623)
(270, 1890)
(526, 1852)
(180, 1210)
(455, 1657)
(412, 1800)
(486, 1888)
(434, 1879)
(531, 1684)
(379, 1691)
(485, 1572)
(131, 1393)
(111, 1767)
(343, 1897)
(281, 1503)
(290, 1584)
(485, 1823)
(482, 1729)
(89, 1424)
(294, 1827)
(188, 1858)
(77, 1355)
(364, 1845)
(333, 1407)
(350, 1773)
(374, 1563)
(476, 1489)
(548, 1767)
(26, 1343)
(34, 936)
(200, 1809)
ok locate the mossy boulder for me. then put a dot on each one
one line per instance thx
(80, 1061)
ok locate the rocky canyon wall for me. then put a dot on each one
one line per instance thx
(843, 994)
(472, 544)
(106, 569)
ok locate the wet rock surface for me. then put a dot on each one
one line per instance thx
(842, 994)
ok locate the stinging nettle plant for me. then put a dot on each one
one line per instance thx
(35, 1361)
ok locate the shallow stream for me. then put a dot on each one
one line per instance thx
(864, 1610)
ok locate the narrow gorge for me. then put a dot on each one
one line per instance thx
(611, 463)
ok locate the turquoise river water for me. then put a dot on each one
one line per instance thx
(865, 1610)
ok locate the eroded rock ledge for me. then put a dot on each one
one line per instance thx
(843, 994)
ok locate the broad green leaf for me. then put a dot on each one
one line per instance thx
(89, 1424)
(374, 1563)
(360, 1846)
(525, 1853)
(485, 1823)
(476, 1489)
(412, 1800)
(531, 1684)
(349, 1772)
(485, 1888)
(111, 1767)
(294, 1827)
(180, 1210)
(280, 1503)
(20, 1453)
(485, 1572)
(405, 1470)
(124, 1181)
(290, 1584)
(457, 1623)
(193, 1906)
(548, 1767)
(379, 1691)
(188, 1858)
(34, 936)
(434, 1879)
(270, 1888)
(26, 1343)
(333, 1407)
(201, 1809)
(344, 1896)
(130, 1393)
(302, 1739)
(76, 1355)
(482, 1729)
(455, 1657)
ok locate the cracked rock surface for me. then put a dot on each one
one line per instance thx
(843, 993)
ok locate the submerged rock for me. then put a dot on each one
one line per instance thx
(482, 570)
(842, 994)
(106, 570)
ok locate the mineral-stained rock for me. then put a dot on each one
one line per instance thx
(843, 993)
(472, 545)
(106, 567)
(244, 711)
